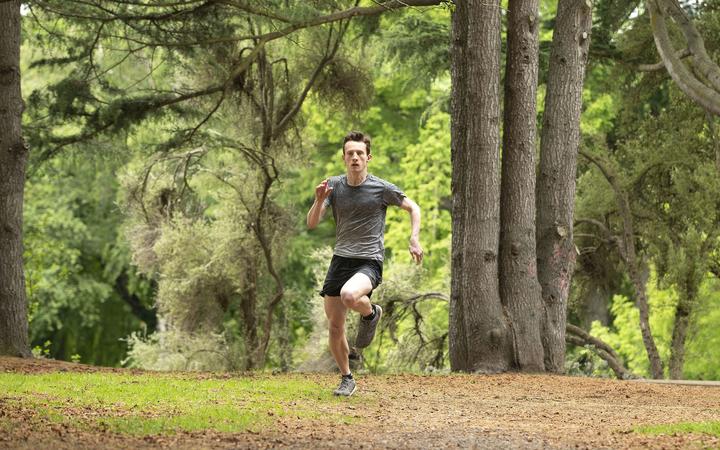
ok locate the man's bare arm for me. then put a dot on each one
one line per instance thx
(416, 250)
(317, 210)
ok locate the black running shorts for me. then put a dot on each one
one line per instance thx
(342, 269)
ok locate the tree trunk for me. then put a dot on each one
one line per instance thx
(639, 279)
(519, 287)
(595, 306)
(677, 347)
(692, 277)
(248, 304)
(478, 341)
(13, 160)
(558, 161)
(458, 351)
(146, 315)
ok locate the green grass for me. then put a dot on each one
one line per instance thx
(711, 428)
(165, 403)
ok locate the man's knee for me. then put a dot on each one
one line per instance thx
(350, 298)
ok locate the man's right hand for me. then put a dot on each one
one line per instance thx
(322, 191)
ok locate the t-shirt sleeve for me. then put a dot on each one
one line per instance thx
(393, 195)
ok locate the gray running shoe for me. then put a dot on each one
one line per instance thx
(347, 387)
(366, 330)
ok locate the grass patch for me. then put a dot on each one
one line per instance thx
(166, 403)
(711, 428)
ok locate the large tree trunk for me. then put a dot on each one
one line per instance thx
(558, 161)
(478, 338)
(458, 351)
(13, 160)
(519, 287)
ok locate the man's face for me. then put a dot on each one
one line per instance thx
(355, 156)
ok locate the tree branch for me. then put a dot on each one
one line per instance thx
(701, 60)
(577, 336)
(660, 64)
(686, 81)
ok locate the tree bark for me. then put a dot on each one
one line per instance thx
(13, 161)
(478, 340)
(556, 251)
(519, 287)
(458, 351)
(639, 281)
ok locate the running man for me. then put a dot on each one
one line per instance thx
(359, 202)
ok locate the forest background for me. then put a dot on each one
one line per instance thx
(143, 248)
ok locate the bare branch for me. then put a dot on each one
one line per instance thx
(578, 336)
(660, 64)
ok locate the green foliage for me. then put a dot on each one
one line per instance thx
(625, 336)
(584, 361)
(168, 404)
(414, 331)
(702, 347)
(663, 148)
(73, 262)
(178, 351)
(420, 41)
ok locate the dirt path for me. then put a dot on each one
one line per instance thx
(409, 411)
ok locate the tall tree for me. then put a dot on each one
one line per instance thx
(519, 287)
(558, 161)
(535, 339)
(13, 160)
(479, 337)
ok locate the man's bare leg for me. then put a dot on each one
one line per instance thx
(336, 311)
(354, 294)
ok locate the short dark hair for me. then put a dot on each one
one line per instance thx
(357, 136)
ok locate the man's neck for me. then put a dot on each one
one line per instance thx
(356, 179)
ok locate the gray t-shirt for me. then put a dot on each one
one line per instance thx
(359, 213)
